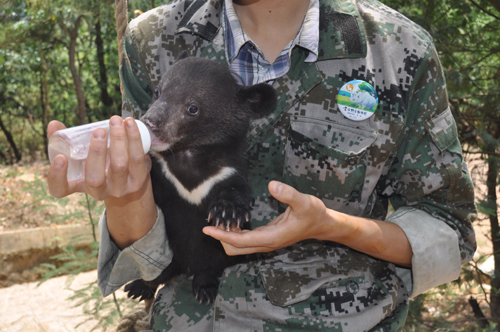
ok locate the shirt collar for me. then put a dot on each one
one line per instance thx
(235, 37)
(341, 29)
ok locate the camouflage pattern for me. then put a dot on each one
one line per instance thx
(408, 153)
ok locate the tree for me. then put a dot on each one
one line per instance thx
(58, 60)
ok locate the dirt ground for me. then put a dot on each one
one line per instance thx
(28, 308)
(25, 201)
(24, 306)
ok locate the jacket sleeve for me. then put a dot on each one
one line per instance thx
(145, 259)
(429, 184)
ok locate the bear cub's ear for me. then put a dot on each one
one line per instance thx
(260, 97)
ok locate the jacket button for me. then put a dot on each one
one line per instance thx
(352, 287)
(352, 160)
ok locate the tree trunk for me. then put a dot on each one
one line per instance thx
(44, 99)
(495, 235)
(495, 4)
(73, 35)
(13, 145)
(3, 157)
(82, 113)
(106, 100)
(491, 184)
(482, 321)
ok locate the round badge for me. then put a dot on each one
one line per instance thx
(357, 100)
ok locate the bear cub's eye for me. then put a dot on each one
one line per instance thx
(157, 93)
(193, 110)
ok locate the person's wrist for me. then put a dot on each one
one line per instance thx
(339, 227)
(144, 193)
(131, 217)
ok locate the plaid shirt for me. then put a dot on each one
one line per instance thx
(247, 60)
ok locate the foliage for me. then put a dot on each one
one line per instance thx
(74, 259)
(107, 312)
(58, 61)
(467, 39)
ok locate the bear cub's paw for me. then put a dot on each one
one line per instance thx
(138, 289)
(228, 214)
(205, 287)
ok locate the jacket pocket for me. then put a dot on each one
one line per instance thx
(443, 130)
(292, 274)
(314, 271)
(327, 160)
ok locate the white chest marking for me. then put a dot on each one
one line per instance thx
(196, 195)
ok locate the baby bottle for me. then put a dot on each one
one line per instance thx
(74, 144)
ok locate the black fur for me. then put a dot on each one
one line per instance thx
(204, 115)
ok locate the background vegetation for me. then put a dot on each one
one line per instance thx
(59, 60)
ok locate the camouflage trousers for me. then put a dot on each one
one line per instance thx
(242, 305)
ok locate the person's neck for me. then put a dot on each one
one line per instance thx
(271, 24)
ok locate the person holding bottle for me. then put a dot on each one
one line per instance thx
(323, 168)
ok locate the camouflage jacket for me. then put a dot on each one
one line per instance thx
(407, 154)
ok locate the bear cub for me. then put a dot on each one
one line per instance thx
(199, 119)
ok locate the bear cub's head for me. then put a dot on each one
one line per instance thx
(199, 102)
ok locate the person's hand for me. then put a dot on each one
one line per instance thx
(303, 219)
(308, 218)
(128, 168)
(125, 187)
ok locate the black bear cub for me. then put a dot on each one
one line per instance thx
(200, 120)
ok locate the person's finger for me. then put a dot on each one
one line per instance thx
(234, 243)
(95, 166)
(53, 127)
(262, 241)
(137, 167)
(57, 179)
(57, 175)
(118, 156)
(235, 251)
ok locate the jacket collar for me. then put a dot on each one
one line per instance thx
(202, 18)
(342, 33)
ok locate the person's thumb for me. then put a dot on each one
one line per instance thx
(286, 194)
(53, 127)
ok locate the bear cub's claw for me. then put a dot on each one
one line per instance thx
(206, 295)
(228, 214)
(138, 289)
(205, 287)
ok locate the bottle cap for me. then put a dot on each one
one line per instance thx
(145, 136)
